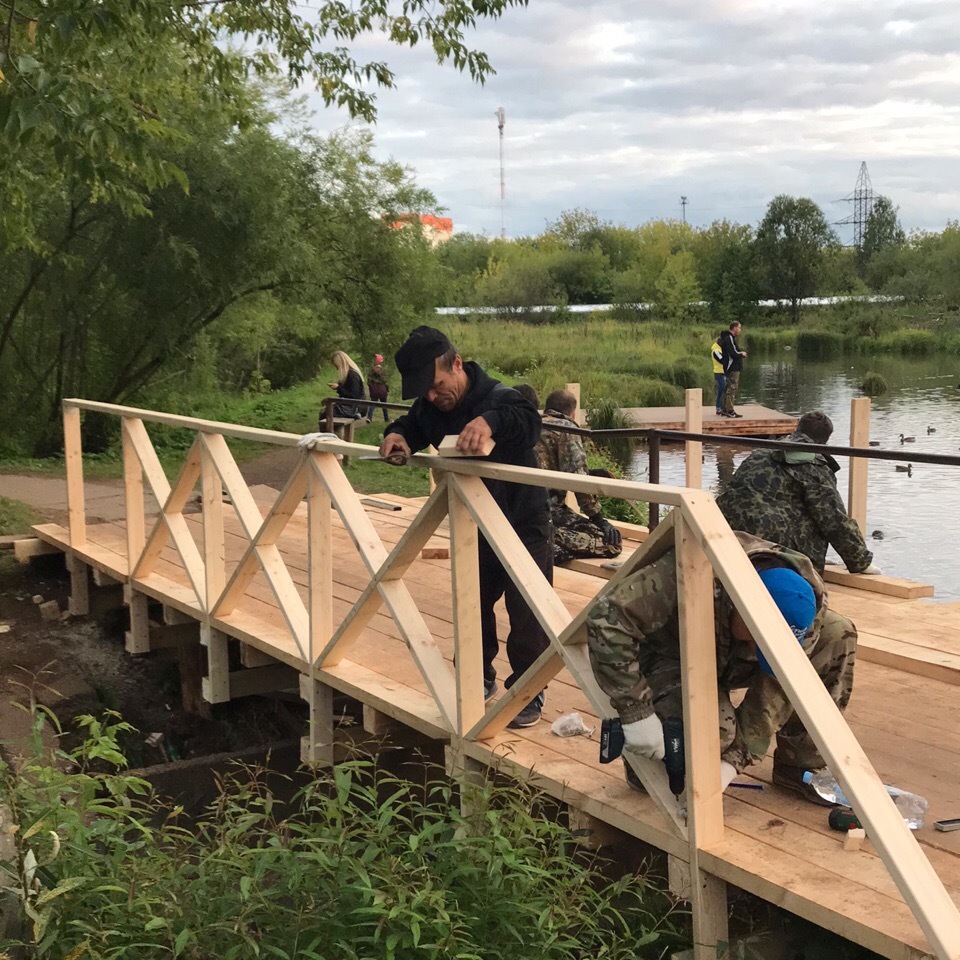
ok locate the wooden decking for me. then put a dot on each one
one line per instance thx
(907, 695)
(757, 420)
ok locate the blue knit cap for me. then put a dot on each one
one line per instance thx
(794, 598)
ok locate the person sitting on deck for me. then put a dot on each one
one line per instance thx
(791, 498)
(633, 636)
(585, 534)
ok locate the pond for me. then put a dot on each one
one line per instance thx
(917, 515)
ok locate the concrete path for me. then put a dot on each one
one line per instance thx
(104, 500)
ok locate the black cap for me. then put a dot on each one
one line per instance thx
(416, 360)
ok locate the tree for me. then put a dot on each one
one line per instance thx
(95, 87)
(790, 243)
(726, 270)
(881, 231)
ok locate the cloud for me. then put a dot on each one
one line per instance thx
(620, 109)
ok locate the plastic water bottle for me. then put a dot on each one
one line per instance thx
(911, 806)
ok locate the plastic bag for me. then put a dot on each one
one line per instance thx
(571, 725)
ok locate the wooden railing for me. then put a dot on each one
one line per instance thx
(705, 548)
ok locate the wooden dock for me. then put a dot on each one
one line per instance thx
(757, 420)
(335, 592)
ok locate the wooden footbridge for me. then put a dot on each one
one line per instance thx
(318, 588)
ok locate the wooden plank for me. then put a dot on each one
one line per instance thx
(24, 550)
(915, 878)
(133, 494)
(73, 458)
(698, 663)
(448, 448)
(859, 437)
(465, 588)
(888, 586)
(317, 748)
(213, 538)
(911, 658)
(693, 459)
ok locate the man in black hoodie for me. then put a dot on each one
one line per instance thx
(454, 397)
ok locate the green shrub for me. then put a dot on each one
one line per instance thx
(819, 344)
(686, 374)
(908, 342)
(360, 864)
(874, 384)
(607, 415)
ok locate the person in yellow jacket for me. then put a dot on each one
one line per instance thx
(719, 376)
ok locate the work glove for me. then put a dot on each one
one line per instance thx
(611, 535)
(312, 441)
(645, 736)
(727, 772)
(873, 570)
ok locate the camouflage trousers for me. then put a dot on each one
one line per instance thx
(575, 536)
(765, 708)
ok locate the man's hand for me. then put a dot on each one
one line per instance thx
(873, 570)
(611, 535)
(727, 772)
(474, 436)
(395, 448)
(313, 441)
(645, 736)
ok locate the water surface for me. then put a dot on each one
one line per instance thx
(917, 515)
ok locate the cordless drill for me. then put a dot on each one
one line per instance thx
(612, 743)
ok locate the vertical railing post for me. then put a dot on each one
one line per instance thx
(694, 448)
(653, 475)
(578, 415)
(211, 487)
(698, 665)
(318, 748)
(328, 403)
(133, 495)
(73, 456)
(467, 638)
(859, 437)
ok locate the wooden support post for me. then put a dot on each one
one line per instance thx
(590, 832)
(213, 541)
(133, 489)
(137, 638)
(379, 724)
(694, 448)
(578, 415)
(859, 437)
(73, 455)
(432, 450)
(316, 748)
(24, 550)
(216, 684)
(471, 777)
(79, 586)
(465, 587)
(698, 666)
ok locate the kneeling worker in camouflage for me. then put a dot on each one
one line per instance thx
(633, 635)
(586, 534)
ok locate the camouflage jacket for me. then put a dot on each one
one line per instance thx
(635, 628)
(564, 452)
(791, 498)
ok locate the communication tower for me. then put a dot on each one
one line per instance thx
(501, 119)
(862, 200)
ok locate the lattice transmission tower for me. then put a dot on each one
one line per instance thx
(862, 199)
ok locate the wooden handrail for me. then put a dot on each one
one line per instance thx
(705, 546)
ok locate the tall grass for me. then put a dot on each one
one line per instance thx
(362, 864)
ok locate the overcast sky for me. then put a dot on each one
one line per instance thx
(622, 107)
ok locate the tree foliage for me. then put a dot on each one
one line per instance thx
(96, 86)
(790, 244)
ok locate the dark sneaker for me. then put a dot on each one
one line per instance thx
(490, 687)
(791, 778)
(633, 781)
(739, 416)
(529, 715)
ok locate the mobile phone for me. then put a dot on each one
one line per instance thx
(946, 825)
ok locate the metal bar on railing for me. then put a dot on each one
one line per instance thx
(653, 476)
